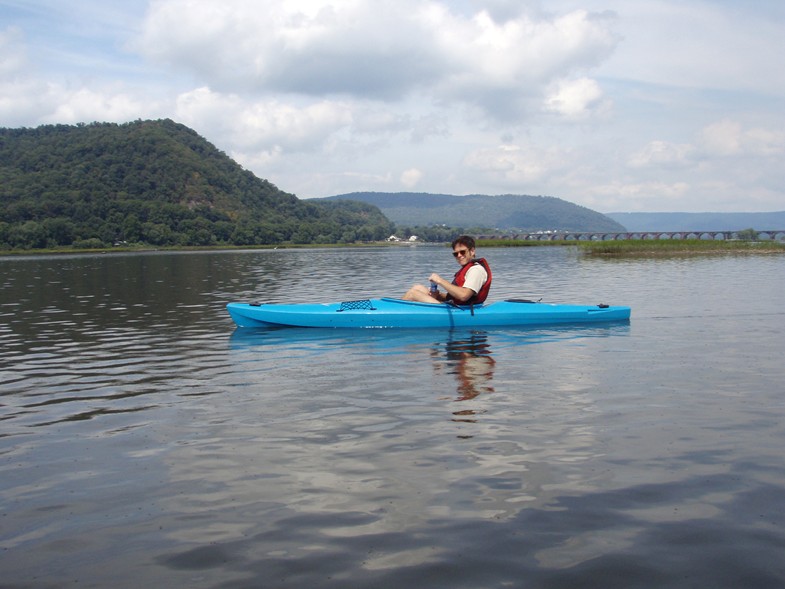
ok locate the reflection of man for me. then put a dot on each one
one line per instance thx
(474, 373)
(472, 364)
(474, 376)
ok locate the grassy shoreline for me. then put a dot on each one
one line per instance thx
(678, 247)
(125, 249)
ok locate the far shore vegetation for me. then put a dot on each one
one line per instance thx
(678, 247)
(607, 249)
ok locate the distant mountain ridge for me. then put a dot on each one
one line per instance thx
(699, 221)
(507, 211)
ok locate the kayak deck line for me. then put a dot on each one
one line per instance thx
(398, 313)
(368, 304)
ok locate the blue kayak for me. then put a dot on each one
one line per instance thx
(387, 312)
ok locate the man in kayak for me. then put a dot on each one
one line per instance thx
(469, 286)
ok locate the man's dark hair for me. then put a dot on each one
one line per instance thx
(466, 240)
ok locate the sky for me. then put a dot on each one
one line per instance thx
(618, 106)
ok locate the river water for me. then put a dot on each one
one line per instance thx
(146, 442)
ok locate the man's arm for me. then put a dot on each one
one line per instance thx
(460, 293)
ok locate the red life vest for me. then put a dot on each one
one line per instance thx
(460, 278)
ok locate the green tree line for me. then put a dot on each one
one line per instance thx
(154, 183)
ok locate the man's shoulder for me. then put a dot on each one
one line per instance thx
(477, 268)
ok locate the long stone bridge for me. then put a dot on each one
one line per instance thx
(772, 235)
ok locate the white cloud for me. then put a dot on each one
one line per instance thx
(639, 196)
(262, 158)
(26, 96)
(698, 44)
(575, 99)
(728, 164)
(662, 153)
(411, 177)
(387, 49)
(506, 68)
(516, 166)
(294, 46)
(21, 94)
(85, 104)
(33, 102)
(765, 142)
(722, 138)
(729, 138)
(263, 124)
(13, 57)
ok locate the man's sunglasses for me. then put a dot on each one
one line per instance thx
(460, 253)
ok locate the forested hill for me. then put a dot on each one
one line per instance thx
(154, 183)
(509, 211)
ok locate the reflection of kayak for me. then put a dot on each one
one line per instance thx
(403, 341)
(398, 313)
